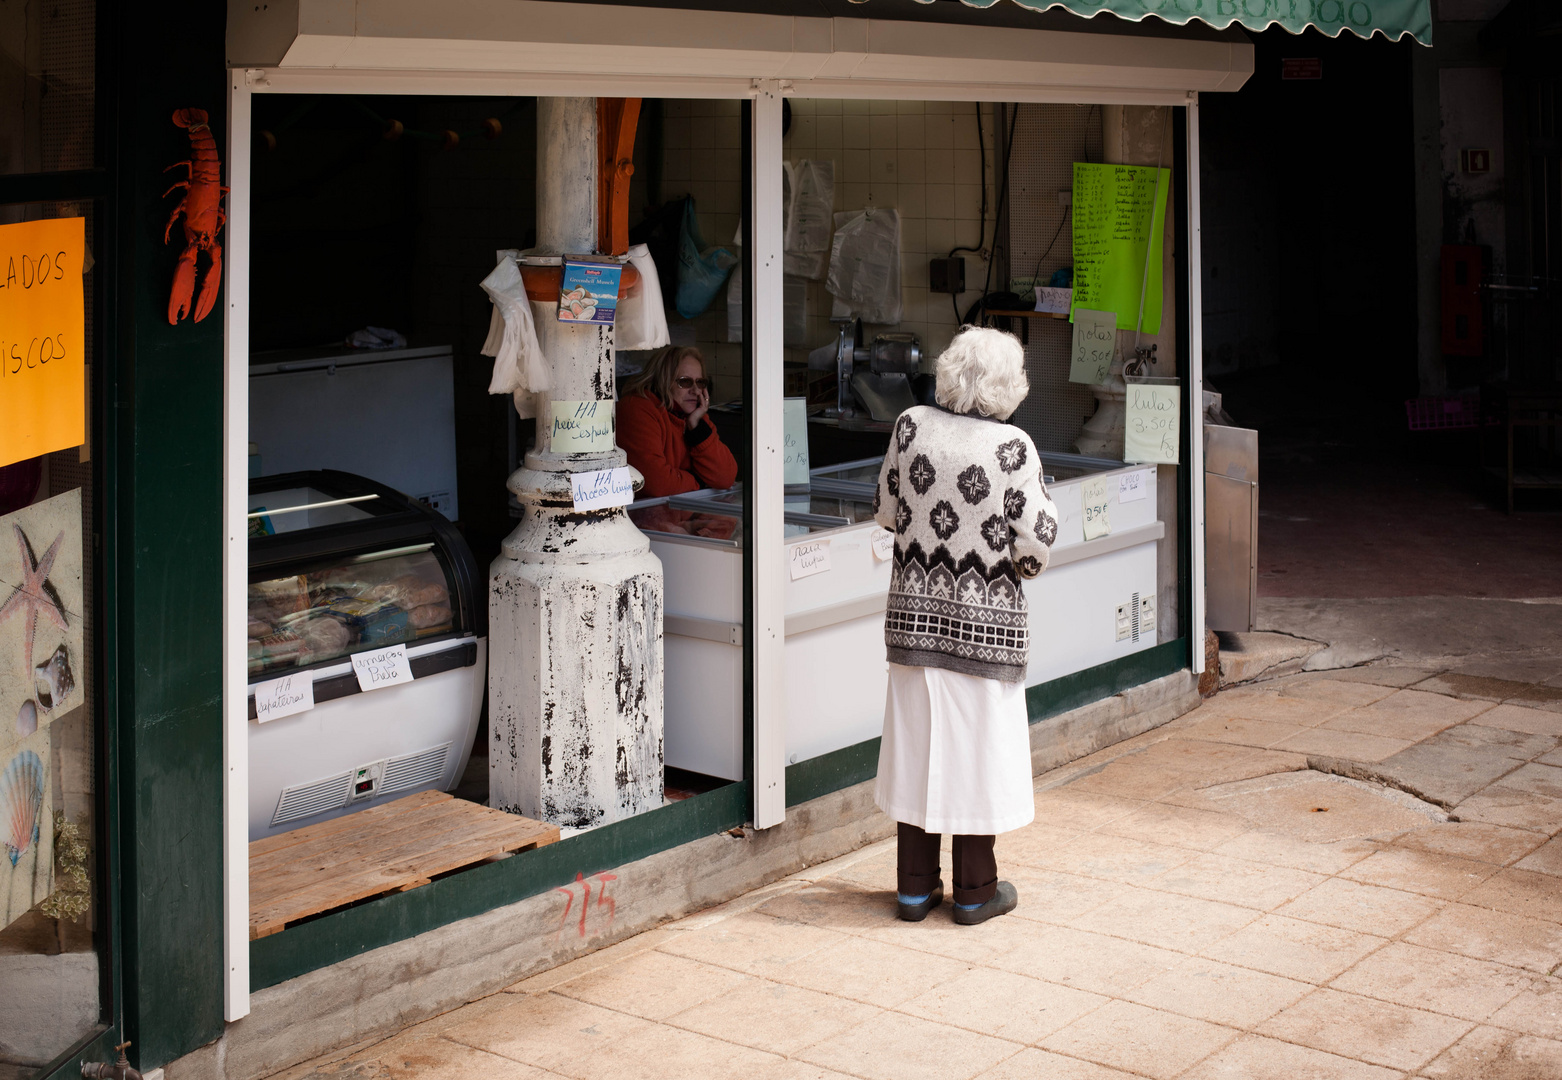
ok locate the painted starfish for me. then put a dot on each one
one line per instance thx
(36, 595)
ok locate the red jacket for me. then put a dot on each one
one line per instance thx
(672, 458)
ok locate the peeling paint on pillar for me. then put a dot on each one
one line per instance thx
(575, 600)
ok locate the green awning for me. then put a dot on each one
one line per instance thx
(1392, 18)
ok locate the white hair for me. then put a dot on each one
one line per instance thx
(982, 371)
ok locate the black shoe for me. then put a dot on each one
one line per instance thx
(918, 912)
(1003, 901)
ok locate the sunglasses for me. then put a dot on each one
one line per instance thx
(686, 382)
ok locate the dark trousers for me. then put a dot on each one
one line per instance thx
(916, 863)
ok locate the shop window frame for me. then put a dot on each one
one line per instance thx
(341, 935)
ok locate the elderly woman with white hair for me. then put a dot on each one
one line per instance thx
(962, 490)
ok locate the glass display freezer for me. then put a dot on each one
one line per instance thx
(339, 566)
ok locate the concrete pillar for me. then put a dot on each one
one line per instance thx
(575, 599)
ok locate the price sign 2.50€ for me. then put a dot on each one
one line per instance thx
(42, 373)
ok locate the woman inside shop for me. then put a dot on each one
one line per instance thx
(664, 429)
(962, 491)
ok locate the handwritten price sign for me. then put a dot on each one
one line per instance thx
(380, 668)
(602, 489)
(808, 559)
(582, 427)
(1095, 499)
(794, 433)
(42, 328)
(1095, 340)
(1154, 423)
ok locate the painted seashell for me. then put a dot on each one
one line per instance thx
(27, 718)
(587, 311)
(21, 803)
(53, 679)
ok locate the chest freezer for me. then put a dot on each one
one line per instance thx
(1095, 603)
(341, 566)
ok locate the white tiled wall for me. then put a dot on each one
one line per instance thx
(918, 157)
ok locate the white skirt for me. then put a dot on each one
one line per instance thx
(956, 753)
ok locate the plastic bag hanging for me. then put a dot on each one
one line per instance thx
(865, 264)
(701, 270)
(642, 320)
(809, 193)
(518, 361)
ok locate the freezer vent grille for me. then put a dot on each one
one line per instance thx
(316, 797)
(1135, 617)
(415, 770)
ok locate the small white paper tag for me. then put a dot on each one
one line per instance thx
(290, 694)
(379, 668)
(810, 558)
(602, 488)
(883, 544)
(583, 427)
(1095, 495)
(1131, 487)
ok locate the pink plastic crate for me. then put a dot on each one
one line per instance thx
(1443, 413)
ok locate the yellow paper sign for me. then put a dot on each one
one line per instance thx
(582, 427)
(1095, 499)
(1154, 424)
(42, 338)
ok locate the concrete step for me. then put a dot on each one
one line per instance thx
(1261, 654)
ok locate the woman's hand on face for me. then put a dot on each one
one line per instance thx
(702, 406)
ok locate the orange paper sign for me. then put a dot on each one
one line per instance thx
(42, 338)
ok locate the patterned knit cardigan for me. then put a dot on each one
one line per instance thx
(971, 517)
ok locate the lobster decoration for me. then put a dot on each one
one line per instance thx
(204, 217)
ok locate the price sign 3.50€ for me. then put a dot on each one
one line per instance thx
(42, 357)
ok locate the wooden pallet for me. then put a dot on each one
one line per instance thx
(394, 847)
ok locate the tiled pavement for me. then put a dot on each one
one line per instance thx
(1194, 903)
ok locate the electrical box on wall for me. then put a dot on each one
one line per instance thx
(946, 276)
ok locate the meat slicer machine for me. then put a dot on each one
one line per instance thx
(873, 382)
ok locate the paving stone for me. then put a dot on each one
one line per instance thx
(1546, 859)
(1365, 1029)
(1368, 909)
(1093, 962)
(1489, 1053)
(1441, 876)
(892, 1046)
(1473, 840)
(1499, 936)
(1245, 882)
(1320, 807)
(1004, 1005)
(774, 1017)
(1122, 1035)
(653, 985)
(1220, 993)
(1436, 981)
(1453, 765)
(1181, 923)
(1520, 718)
(1241, 731)
(1408, 714)
(1500, 804)
(1033, 1063)
(1294, 949)
(1536, 1011)
(1349, 745)
(1254, 1057)
(1537, 779)
(1179, 826)
(753, 943)
(1520, 892)
(1333, 691)
(1485, 687)
(870, 971)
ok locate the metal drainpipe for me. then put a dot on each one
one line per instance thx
(575, 599)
